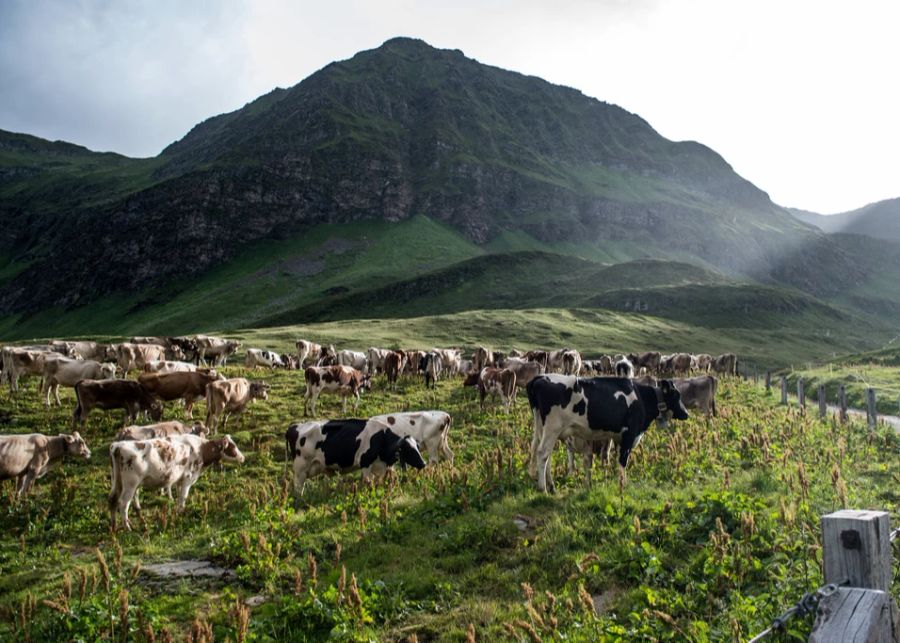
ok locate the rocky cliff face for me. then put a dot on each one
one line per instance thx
(402, 130)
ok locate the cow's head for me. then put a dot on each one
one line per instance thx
(674, 408)
(152, 404)
(75, 445)
(230, 452)
(107, 371)
(111, 352)
(232, 345)
(405, 450)
(200, 429)
(176, 352)
(259, 390)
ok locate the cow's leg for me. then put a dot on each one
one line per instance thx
(301, 467)
(189, 407)
(124, 503)
(45, 392)
(544, 464)
(356, 401)
(570, 455)
(587, 459)
(56, 393)
(186, 482)
(537, 434)
(445, 448)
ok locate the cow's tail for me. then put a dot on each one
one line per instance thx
(445, 439)
(715, 387)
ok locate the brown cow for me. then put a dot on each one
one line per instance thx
(649, 361)
(114, 394)
(525, 371)
(495, 381)
(681, 363)
(698, 393)
(725, 364)
(136, 356)
(231, 397)
(704, 361)
(30, 456)
(184, 385)
(343, 380)
(393, 363)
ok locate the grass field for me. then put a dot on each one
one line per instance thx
(716, 534)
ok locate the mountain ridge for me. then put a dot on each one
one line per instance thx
(396, 132)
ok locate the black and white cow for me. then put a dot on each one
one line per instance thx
(347, 445)
(594, 409)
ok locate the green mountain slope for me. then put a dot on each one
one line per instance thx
(392, 133)
(880, 220)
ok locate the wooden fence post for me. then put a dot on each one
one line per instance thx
(856, 552)
(801, 392)
(823, 409)
(783, 389)
(871, 409)
(842, 402)
(768, 381)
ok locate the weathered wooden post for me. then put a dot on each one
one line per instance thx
(856, 552)
(801, 392)
(842, 402)
(871, 410)
(783, 389)
(768, 381)
(823, 409)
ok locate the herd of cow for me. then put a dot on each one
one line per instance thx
(588, 404)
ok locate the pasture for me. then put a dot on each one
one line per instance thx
(717, 531)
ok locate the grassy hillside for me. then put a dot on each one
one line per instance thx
(878, 369)
(715, 535)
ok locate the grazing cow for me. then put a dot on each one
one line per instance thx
(482, 357)
(466, 366)
(161, 430)
(680, 363)
(665, 364)
(375, 359)
(393, 364)
(450, 359)
(624, 368)
(606, 365)
(571, 362)
(160, 464)
(177, 348)
(307, 350)
(704, 362)
(645, 361)
(169, 366)
(231, 397)
(497, 381)
(353, 359)
(68, 372)
(88, 350)
(216, 348)
(525, 371)
(699, 393)
(30, 456)
(258, 357)
(348, 445)
(343, 380)
(135, 356)
(725, 364)
(187, 386)
(114, 394)
(594, 409)
(18, 362)
(431, 365)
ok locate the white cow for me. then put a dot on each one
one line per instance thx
(161, 464)
(30, 456)
(375, 357)
(68, 372)
(259, 357)
(357, 360)
(169, 366)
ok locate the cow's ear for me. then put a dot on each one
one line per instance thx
(70, 439)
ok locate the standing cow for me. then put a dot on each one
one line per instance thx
(343, 380)
(594, 409)
(30, 456)
(231, 397)
(68, 372)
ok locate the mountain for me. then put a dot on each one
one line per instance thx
(880, 220)
(399, 163)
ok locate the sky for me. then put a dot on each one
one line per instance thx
(800, 97)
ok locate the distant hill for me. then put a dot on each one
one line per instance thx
(880, 220)
(404, 172)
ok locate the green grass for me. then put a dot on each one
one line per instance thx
(716, 533)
